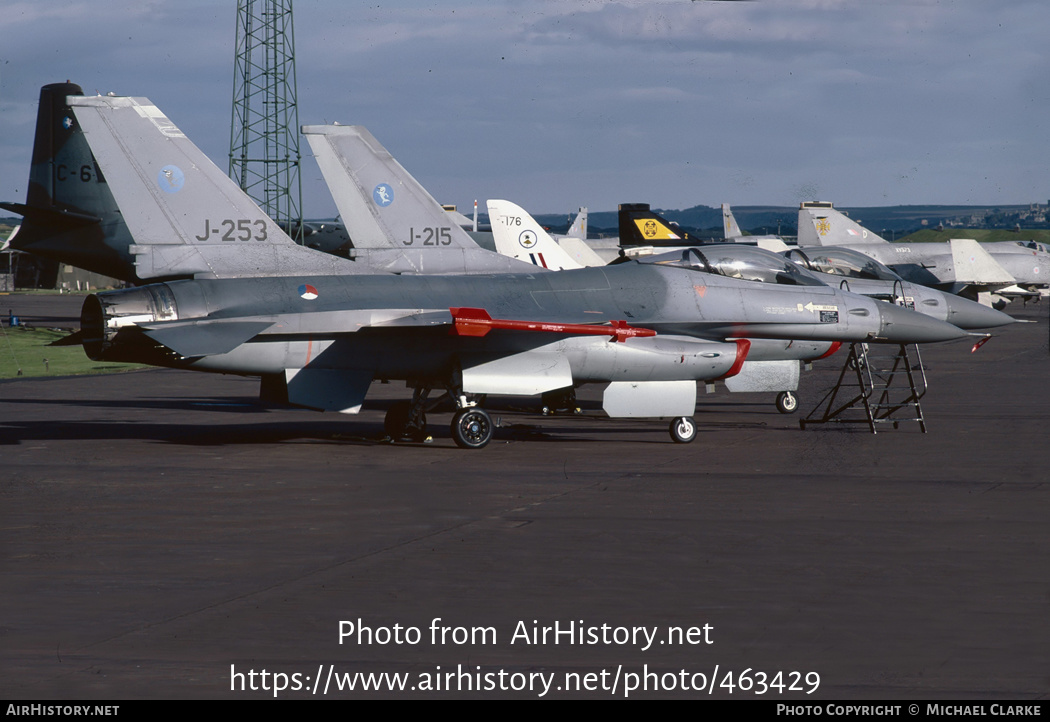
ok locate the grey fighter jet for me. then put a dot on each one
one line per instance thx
(990, 272)
(318, 331)
(354, 164)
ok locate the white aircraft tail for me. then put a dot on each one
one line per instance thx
(186, 216)
(974, 265)
(730, 228)
(819, 224)
(518, 235)
(578, 229)
(389, 216)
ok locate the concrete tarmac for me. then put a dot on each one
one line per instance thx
(163, 536)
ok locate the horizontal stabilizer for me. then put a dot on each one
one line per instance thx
(74, 339)
(477, 322)
(50, 215)
(193, 339)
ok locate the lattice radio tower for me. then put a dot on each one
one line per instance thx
(264, 137)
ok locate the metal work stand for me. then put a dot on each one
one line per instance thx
(885, 389)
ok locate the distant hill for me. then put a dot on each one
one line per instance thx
(891, 221)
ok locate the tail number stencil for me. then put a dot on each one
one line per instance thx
(430, 237)
(230, 230)
(86, 173)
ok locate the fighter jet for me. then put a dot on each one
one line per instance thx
(832, 266)
(347, 165)
(771, 366)
(990, 272)
(838, 269)
(733, 233)
(317, 330)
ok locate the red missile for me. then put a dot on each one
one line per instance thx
(477, 322)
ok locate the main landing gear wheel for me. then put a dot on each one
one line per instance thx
(471, 428)
(683, 430)
(396, 425)
(787, 402)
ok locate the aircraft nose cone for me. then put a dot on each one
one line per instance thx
(964, 313)
(901, 325)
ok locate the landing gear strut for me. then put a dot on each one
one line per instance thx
(561, 400)
(407, 420)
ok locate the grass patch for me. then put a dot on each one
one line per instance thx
(27, 349)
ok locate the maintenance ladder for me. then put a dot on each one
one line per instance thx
(885, 388)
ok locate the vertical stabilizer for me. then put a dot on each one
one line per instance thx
(186, 216)
(394, 223)
(70, 214)
(730, 228)
(518, 235)
(640, 226)
(819, 224)
(578, 229)
(974, 265)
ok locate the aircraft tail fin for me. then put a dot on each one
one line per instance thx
(974, 265)
(730, 228)
(819, 224)
(578, 229)
(518, 235)
(186, 216)
(70, 214)
(387, 213)
(640, 226)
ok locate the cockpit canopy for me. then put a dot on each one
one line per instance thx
(734, 261)
(1034, 245)
(841, 262)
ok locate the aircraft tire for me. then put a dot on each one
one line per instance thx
(787, 402)
(683, 429)
(471, 428)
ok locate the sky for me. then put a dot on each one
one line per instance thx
(556, 104)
